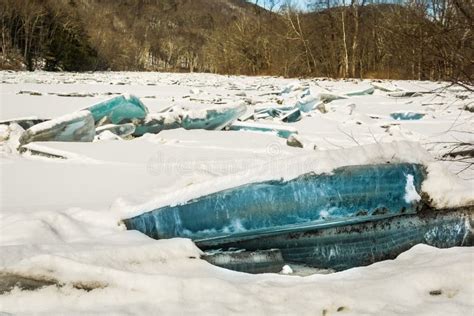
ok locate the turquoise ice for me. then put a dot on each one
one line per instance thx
(280, 130)
(119, 110)
(74, 127)
(213, 118)
(292, 116)
(349, 194)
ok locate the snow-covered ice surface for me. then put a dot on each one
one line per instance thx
(60, 218)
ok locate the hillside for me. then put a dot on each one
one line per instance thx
(237, 37)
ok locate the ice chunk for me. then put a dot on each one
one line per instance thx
(24, 122)
(328, 97)
(292, 116)
(366, 91)
(249, 114)
(157, 122)
(306, 104)
(269, 111)
(280, 130)
(119, 110)
(360, 244)
(121, 130)
(404, 94)
(74, 127)
(264, 261)
(38, 150)
(402, 116)
(213, 118)
(349, 194)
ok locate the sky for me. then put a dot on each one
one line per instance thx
(301, 4)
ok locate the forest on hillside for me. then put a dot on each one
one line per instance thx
(416, 39)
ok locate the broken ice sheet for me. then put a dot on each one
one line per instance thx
(269, 111)
(354, 245)
(212, 118)
(349, 194)
(292, 116)
(74, 127)
(121, 109)
(280, 130)
(157, 122)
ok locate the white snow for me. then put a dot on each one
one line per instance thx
(410, 191)
(60, 218)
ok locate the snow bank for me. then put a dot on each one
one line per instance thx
(95, 261)
(423, 281)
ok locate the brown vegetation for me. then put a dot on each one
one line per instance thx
(417, 39)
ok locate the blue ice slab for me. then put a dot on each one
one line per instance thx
(349, 194)
(213, 119)
(74, 127)
(118, 110)
(208, 119)
(292, 116)
(360, 244)
(403, 116)
(281, 131)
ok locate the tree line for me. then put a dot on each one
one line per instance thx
(415, 39)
